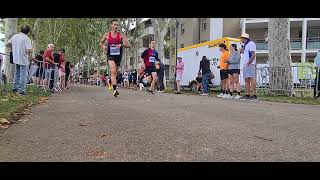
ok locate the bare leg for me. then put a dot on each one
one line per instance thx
(253, 86)
(230, 78)
(154, 80)
(247, 80)
(236, 82)
(113, 69)
(178, 85)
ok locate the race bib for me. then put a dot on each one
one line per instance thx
(114, 50)
(152, 59)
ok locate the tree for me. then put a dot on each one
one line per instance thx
(280, 78)
(160, 26)
(10, 29)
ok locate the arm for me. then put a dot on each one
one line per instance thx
(125, 42)
(252, 57)
(252, 49)
(103, 42)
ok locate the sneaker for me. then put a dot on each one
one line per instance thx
(160, 91)
(14, 90)
(227, 96)
(115, 93)
(150, 91)
(220, 95)
(21, 93)
(237, 97)
(204, 94)
(246, 97)
(254, 97)
(177, 92)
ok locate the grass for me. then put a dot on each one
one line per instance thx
(308, 99)
(11, 103)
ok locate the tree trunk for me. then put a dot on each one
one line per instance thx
(280, 73)
(34, 32)
(10, 29)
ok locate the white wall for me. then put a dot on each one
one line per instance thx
(216, 28)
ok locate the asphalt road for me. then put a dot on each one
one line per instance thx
(88, 124)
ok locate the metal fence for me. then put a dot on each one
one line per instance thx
(304, 80)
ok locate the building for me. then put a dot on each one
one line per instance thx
(304, 36)
(304, 33)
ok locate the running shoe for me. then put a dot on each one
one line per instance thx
(204, 94)
(110, 88)
(220, 95)
(246, 97)
(177, 92)
(150, 91)
(227, 96)
(237, 97)
(254, 97)
(115, 93)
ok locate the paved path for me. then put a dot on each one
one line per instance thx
(88, 124)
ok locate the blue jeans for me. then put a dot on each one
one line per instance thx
(205, 82)
(20, 78)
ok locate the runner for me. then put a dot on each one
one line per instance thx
(149, 57)
(113, 43)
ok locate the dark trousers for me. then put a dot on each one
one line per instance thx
(160, 86)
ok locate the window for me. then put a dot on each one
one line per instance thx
(181, 45)
(145, 42)
(313, 33)
(182, 29)
(204, 24)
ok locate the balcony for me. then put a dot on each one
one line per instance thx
(296, 44)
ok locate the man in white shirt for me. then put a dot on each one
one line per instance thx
(249, 67)
(21, 49)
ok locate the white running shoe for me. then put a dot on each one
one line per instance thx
(204, 94)
(227, 96)
(237, 97)
(220, 95)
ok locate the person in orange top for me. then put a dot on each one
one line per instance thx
(224, 70)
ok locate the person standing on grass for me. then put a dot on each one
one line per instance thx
(48, 62)
(160, 73)
(317, 80)
(223, 66)
(234, 71)
(249, 68)
(62, 69)
(206, 74)
(179, 71)
(21, 49)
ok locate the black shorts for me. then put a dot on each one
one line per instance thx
(150, 69)
(233, 71)
(116, 60)
(223, 74)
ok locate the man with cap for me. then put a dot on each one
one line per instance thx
(248, 52)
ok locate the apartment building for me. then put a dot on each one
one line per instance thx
(304, 37)
(304, 32)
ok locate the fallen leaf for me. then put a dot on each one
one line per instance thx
(4, 126)
(4, 121)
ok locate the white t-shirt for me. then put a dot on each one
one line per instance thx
(251, 46)
(20, 45)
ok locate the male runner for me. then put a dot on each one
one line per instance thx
(150, 56)
(113, 43)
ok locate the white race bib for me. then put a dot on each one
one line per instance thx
(114, 50)
(152, 59)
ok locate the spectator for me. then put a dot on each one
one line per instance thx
(317, 80)
(179, 71)
(223, 66)
(68, 70)
(249, 68)
(134, 77)
(21, 48)
(234, 71)
(125, 79)
(48, 62)
(62, 68)
(199, 82)
(206, 74)
(160, 72)
(130, 79)
(39, 72)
